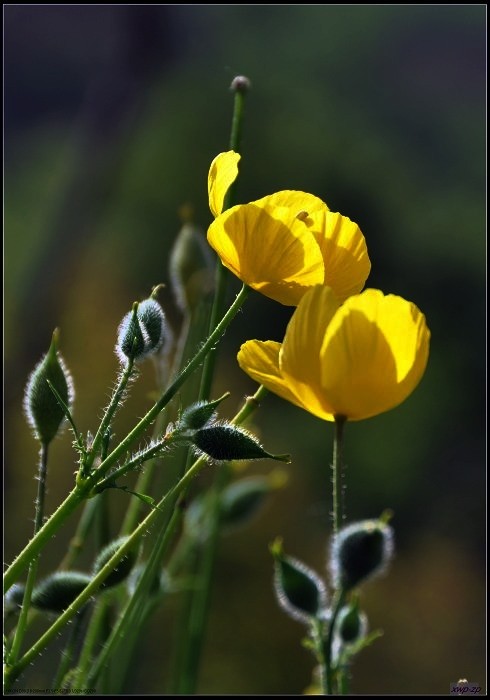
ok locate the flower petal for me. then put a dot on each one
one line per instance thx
(222, 173)
(293, 199)
(300, 358)
(344, 251)
(260, 360)
(263, 246)
(374, 354)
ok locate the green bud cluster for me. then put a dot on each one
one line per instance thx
(141, 332)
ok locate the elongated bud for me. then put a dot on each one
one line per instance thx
(200, 414)
(351, 624)
(299, 590)
(122, 569)
(359, 552)
(43, 410)
(59, 590)
(191, 267)
(141, 332)
(225, 442)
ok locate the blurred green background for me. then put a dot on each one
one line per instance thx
(112, 117)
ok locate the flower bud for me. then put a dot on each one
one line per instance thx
(141, 331)
(200, 414)
(14, 598)
(59, 590)
(351, 624)
(359, 552)
(44, 412)
(191, 267)
(240, 83)
(225, 442)
(299, 589)
(123, 568)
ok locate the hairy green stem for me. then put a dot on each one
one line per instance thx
(337, 469)
(32, 572)
(83, 488)
(338, 602)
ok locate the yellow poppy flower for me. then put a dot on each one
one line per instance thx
(285, 243)
(355, 360)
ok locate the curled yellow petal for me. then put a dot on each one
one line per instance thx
(222, 173)
(344, 250)
(263, 248)
(260, 360)
(374, 354)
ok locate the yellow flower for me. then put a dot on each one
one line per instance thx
(285, 243)
(355, 360)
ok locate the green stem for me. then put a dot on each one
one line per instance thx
(81, 491)
(338, 602)
(221, 271)
(337, 468)
(109, 414)
(13, 671)
(68, 654)
(199, 604)
(32, 573)
(317, 636)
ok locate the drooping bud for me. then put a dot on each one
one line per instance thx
(359, 552)
(122, 569)
(141, 332)
(44, 412)
(200, 414)
(299, 590)
(225, 442)
(191, 267)
(56, 592)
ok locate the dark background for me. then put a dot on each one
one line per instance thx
(112, 117)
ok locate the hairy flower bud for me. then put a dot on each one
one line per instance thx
(56, 592)
(141, 332)
(122, 569)
(359, 552)
(299, 590)
(226, 442)
(44, 412)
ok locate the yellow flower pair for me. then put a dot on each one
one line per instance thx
(354, 359)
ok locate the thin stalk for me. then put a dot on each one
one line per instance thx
(114, 403)
(338, 602)
(337, 469)
(221, 271)
(68, 654)
(200, 597)
(32, 573)
(82, 489)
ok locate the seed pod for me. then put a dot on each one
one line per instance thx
(56, 592)
(299, 590)
(359, 552)
(122, 569)
(43, 410)
(225, 442)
